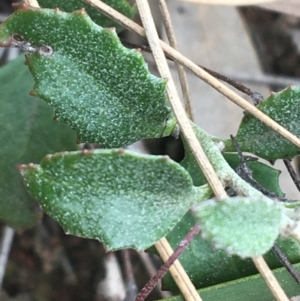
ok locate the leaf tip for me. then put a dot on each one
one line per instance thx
(15, 6)
(87, 152)
(24, 6)
(33, 93)
(112, 29)
(166, 158)
(121, 151)
(24, 167)
(80, 12)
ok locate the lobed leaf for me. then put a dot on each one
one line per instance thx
(123, 199)
(245, 226)
(255, 137)
(27, 134)
(207, 266)
(103, 90)
(69, 6)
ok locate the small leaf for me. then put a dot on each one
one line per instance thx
(244, 226)
(207, 266)
(255, 137)
(27, 134)
(103, 90)
(265, 175)
(123, 199)
(69, 6)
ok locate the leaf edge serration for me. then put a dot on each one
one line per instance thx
(165, 128)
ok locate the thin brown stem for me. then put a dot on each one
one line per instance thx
(180, 69)
(292, 173)
(286, 263)
(166, 266)
(237, 85)
(132, 26)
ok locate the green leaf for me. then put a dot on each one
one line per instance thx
(103, 90)
(207, 266)
(265, 175)
(251, 288)
(255, 137)
(245, 226)
(123, 199)
(27, 134)
(69, 6)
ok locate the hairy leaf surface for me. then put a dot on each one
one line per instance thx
(120, 198)
(255, 137)
(27, 134)
(103, 90)
(69, 6)
(245, 226)
(207, 266)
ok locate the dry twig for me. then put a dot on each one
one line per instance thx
(216, 84)
(32, 3)
(157, 46)
(180, 69)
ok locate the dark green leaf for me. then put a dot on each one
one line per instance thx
(69, 6)
(103, 90)
(207, 266)
(255, 137)
(265, 175)
(27, 134)
(123, 199)
(251, 288)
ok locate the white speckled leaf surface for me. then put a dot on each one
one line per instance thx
(69, 6)
(255, 137)
(242, 226)
(120, 198)
(103, 90)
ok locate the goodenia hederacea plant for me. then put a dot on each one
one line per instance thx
(27, 134)
(255, 137)
(69, 6)
(101, 89)
(207, 266)
(123, 199)
(246, 225)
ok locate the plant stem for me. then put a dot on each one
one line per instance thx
(286, 263)
(270, 279)
(180, 69)
(292, 173)
(237, 85)
(175, 55)
(175, 102)
(166, 266)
